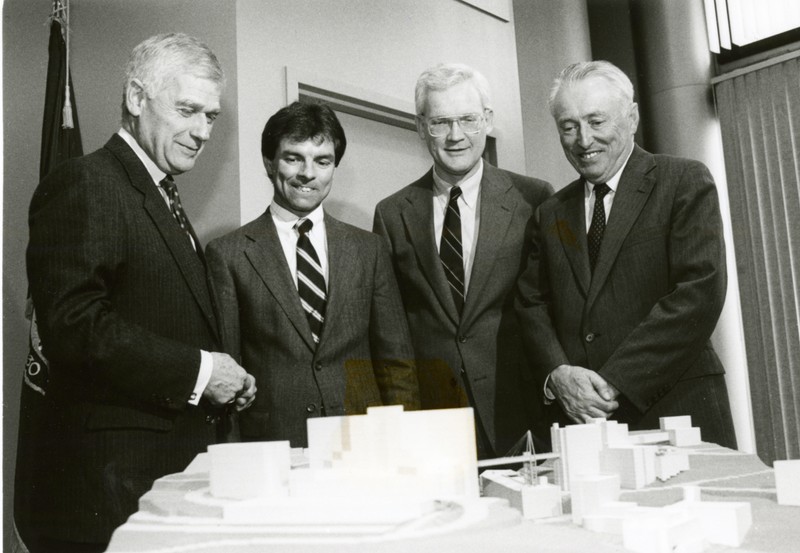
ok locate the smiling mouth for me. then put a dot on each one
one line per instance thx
(588, 156)
(303, 188)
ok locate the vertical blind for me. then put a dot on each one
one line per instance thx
(759, 111)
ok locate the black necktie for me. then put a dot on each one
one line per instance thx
(451, 251)
(310, 280)
(598, 226)
(177, 211)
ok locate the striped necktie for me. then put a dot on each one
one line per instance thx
(310, 280)
(177, 210)
(598, 226)
(450, 249)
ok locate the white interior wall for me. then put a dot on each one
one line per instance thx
(377, 45)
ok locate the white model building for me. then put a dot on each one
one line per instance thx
(787, 482)
(380, 468)
(604, 446)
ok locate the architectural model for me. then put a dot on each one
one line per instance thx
(787, 482)
(604, 446)
(390, 475)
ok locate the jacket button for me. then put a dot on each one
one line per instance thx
(590, 337)
(462, 338)
(318, 366)
(211, 419)
(310, 408)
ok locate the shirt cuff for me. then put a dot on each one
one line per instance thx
(203, 376)
(548, 395)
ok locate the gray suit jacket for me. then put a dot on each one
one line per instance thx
(479, 354)
(364, 357)
(644, 319)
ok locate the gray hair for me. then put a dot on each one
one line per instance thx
(583, 70)
(157, 59)
(445, 75)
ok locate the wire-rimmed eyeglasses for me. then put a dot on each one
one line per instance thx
(470, 123)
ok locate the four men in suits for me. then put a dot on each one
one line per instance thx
(126, 317)
(459, 239)
(624, 283)
(308, 303)
(626, 278)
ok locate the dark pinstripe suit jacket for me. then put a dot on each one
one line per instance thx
(124, 309)
(364, 357)
(644, 319)
(483, 347)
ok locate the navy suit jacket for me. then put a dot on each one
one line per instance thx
(476, 359)
(123, 308)
(643, 320)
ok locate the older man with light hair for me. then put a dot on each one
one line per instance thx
(137, 384)
(458, 242)
(626, 277)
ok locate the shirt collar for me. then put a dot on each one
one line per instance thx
(469, 187)
(286, 217)
(613, 182)
(155, 173)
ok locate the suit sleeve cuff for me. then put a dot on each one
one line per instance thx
(203, 376)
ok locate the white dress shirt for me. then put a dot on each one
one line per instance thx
(206, 361)
(285, 223)
(608, 200)
(469, 208)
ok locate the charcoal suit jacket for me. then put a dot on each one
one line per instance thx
(364, 356)
(476, 359)
(644, 318)
(124, 309)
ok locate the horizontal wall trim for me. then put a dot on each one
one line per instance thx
(756, 67)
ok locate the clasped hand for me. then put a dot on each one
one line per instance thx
(230, 383)
(583, 393)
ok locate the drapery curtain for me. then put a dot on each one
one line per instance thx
(759, 111)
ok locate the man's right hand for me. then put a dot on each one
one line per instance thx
(228, 381)
(582, 393)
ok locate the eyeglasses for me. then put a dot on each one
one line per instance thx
(469, 123)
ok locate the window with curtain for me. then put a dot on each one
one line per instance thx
(759, 112)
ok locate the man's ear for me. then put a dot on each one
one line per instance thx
(269, 166)
(634, 117)
(422, 129)
(135, 97)
(488, 114)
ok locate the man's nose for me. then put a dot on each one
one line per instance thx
(585, 136)
(202, 127)
(455, 133)
(306, 171)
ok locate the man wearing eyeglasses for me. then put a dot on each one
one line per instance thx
(458, 241)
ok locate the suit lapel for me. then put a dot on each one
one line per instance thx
(342, 262)
(634, 188)
(418, 220)
(570, 226)
(266, 255)
(497, 210)
(185, 256)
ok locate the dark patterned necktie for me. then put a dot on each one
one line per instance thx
(451, 251)
(177, 210)
(598, 226)
(310, 280)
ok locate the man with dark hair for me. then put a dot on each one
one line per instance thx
(308, 303)
(626, 277)
(137, 386)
